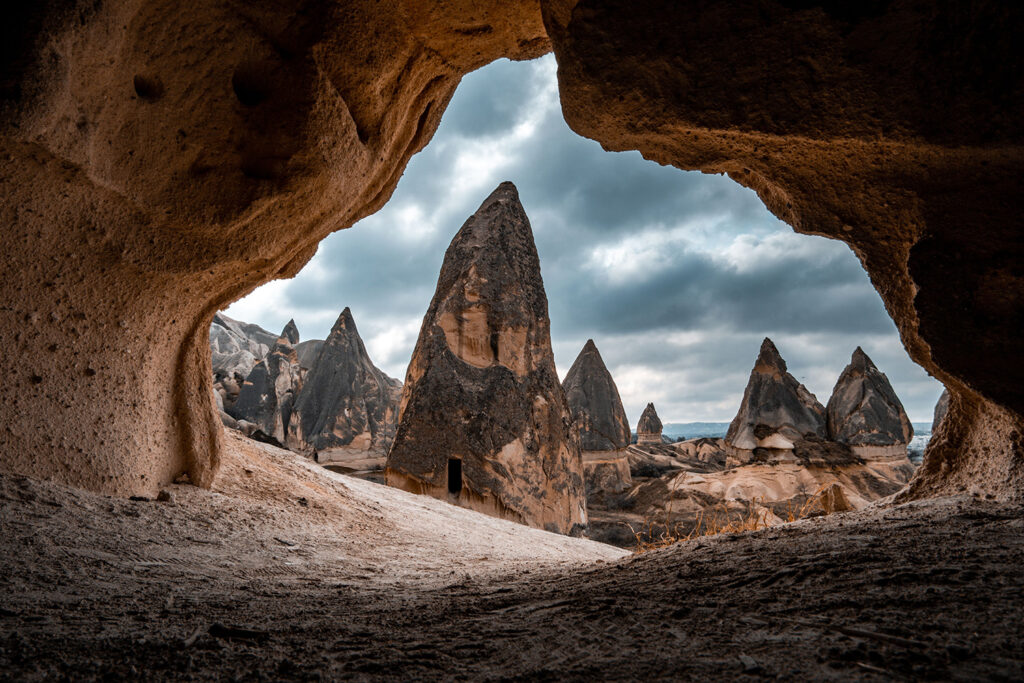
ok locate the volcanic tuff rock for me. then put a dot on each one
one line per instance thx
(484, 421)
(776, 411)
(235, 348)
(346, 401)
(595, 404)
(864, 410)
(268, 394)
(941, 408)
(648, 429)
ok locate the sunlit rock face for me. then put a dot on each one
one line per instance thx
(346, 401)
(268, 394)
(865, 413)
(648, 428)
(484, 422)
(777, 411)
(916, 162)
(595, 404)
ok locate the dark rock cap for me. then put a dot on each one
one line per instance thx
(776, 410)
(864, 410)
(649, 422)
(595, 403)
(346, 401)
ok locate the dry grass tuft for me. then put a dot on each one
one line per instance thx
(719, 520)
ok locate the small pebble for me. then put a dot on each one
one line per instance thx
(165, 496)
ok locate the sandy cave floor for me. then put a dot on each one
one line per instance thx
(332, 577)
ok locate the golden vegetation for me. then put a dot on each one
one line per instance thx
(720, 520)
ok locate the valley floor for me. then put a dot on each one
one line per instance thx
(288, 572)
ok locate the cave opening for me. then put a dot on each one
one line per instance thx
(152, 174)
(678, 275)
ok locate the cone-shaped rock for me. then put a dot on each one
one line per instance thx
(346, 401)
(484, 422)
(864, 410)
(648, 429)
(595, 404)
(776, 410)
(268, 394)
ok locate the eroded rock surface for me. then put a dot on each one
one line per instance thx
(235, 348)
(346, 401)
(941, 408)
(864, 412)
(268, 394)
(484, 422)
(595, 404)
(777, 411)
(913, 162)
(648, 428)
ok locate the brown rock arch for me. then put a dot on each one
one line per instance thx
(162, 160)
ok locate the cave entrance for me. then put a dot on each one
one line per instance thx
(678, 276)
(455, 476)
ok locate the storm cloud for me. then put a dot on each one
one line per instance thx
(677, 276)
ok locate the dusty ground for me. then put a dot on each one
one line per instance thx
(335, 577)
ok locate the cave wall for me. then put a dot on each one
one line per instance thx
(893, 126)
(162, 160)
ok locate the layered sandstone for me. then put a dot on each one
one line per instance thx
(484, 422)
(346, 401)
(777, 411)
(595, 404)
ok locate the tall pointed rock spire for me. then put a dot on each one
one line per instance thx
(346, 401)
(595, 403)
(776, 411)
(484, 422)
(864, 410)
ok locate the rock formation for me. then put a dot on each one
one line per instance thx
(161, 162)
(268, 394)
(941, 408)
(648, 429)
(837, 138)
(346, 401)
(864, 411)
(595, 404)
(777, 411)
(484, 422)
(235, 348)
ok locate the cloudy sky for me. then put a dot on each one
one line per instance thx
(677, 276)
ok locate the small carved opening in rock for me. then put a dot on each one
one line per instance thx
(455, 475)
(250, 84)
(149, 88)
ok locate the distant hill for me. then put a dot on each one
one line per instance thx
(692, 430)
